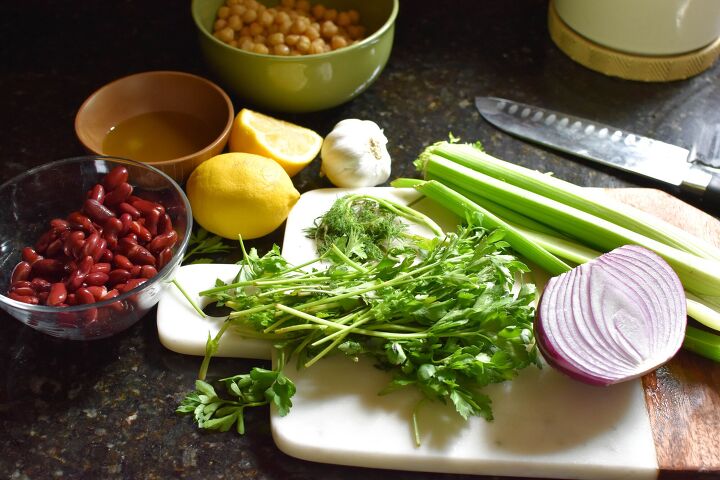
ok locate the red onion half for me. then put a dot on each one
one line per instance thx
(612, 319)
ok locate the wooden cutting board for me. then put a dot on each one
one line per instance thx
(570, 431)
(682, 397)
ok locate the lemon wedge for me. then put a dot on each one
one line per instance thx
(290, 145)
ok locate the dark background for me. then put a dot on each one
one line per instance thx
(105, 409)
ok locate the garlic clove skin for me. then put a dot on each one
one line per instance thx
(354, 154)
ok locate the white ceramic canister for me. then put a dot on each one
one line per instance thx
(644, 27)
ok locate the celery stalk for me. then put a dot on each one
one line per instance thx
(465, 208)
(700, 276)
(473, 157)
(702, 342)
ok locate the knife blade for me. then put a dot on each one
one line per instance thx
(604, 144)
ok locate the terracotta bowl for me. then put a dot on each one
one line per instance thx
(147, 92)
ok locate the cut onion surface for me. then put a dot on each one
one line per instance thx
(612, 319)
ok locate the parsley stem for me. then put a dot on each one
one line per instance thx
(187, 297)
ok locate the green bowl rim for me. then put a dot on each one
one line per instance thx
(380, 31)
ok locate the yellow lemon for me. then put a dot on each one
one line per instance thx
(290, 145)
(240, 194)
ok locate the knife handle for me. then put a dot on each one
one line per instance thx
(711, 196)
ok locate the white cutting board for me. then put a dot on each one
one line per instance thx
(546, 425)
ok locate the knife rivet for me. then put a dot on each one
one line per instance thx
(550, 119)
(630, 139)
(563, 122)
(513, 109)
(616, 136)
(525, 112)
(589, 129)
(537, 117)
(576, 126)
(603, 133)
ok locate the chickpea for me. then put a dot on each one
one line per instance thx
(275, 39)
(343, 19)
(330, 14)
(233, 43)
(303, 44)
(249, 16)
(247, 45)
(219, 24)
(260, 48)
(303, 5)
(259, 39)
(318, 11)
(232, 2)
(225, 35)
(282, 17)
(338, 42)
(312, 33)
(274, 28)
(223, 12)
(245, 32)
(288, 3)
(317, 46)
(285, 27)
(235, 23)
(356, 31)
(238, 10)
(328, 29)
(300, 25)
(267, 18)
(256, 29)
(354, 16)
(292, 40)
(281, 49)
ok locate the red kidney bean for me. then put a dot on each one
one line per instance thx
(142, 233)
(98, 292)
(97, 193)
(115, 177)
(97, 253)
(132, 283)
(146, 206)
(20, 284)
(42, 297)
(55, 248)
(121, 261)
(125, 207)
(164, 258)
(71, 299)
(21, 272)
(111, 240)
(148, 271)
(40, 284)
(135, 271)
(98, 212)
(59, 224)
(84, 296)
(119, 275)
(24, 291)
(165, 224)
(126, 220)
(90, 316)
(31, 256)
(103, 267)
(68, 319)
(151, 221)
(140, 256)
(90, 244)
(58, 294)
(117, 306)
(118, 195)
(163, 241)
(78, 221)
(107, 256)
(112, 225)
(78, 275)
(73, 243)
(97, 278)
(43, 242)
(31, 299)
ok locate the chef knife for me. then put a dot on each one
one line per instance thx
(604, 144)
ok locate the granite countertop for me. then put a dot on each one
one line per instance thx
(105, 409)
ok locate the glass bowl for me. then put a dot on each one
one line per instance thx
(54, 190)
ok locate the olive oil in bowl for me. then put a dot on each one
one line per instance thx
(158, 136)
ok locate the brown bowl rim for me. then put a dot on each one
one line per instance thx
(168, 73)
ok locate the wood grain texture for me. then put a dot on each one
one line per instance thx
(683, 396)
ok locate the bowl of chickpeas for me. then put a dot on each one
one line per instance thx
(296, 55)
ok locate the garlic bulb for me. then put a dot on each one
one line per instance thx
(354, 154)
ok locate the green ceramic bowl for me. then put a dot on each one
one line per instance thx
(301, 83)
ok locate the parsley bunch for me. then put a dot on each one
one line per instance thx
(447, 319)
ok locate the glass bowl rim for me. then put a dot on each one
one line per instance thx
(123, 296)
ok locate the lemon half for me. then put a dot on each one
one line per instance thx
(290, 145)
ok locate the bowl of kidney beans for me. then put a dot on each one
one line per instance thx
(87, 244)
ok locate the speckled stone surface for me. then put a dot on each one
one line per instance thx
(106, 409)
